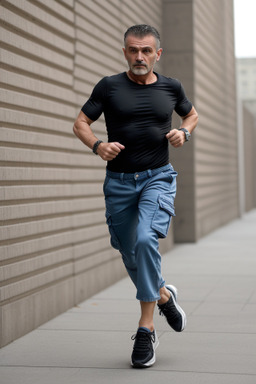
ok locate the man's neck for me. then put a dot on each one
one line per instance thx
(149, 78)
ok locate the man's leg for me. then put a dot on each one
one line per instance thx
(155, 211)
(122, 219)
(147, 314)
(165, 295)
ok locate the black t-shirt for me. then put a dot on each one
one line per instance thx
(137, 116)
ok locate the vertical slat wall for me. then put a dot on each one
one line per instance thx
(38, 163)
(216, 156)
(54, 249)
(179, 63)
(199, 49)
(249, 126)
(95, 263)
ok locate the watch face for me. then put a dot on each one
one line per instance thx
(188, 135)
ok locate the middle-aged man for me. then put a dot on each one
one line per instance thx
(140, 183)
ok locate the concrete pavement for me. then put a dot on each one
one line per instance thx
(92, 343)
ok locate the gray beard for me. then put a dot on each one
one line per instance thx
(139, 71)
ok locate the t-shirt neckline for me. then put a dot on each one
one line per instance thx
(142, 85)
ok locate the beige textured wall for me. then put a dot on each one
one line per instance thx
(216, 149)
(39, 179)
(54, 249)
(199, 41)
(179, 59)
(249, 125)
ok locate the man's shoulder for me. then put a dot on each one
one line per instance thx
(119, 77)
(169, 81)
(107, 82)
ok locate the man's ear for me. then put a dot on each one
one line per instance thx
(159, 53)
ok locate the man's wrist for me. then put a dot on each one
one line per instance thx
(186, 133)
(95, 146)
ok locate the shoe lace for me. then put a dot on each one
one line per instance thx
(169, 310)
(143, 339)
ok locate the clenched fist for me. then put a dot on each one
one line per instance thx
(176, 138)
(108, 151)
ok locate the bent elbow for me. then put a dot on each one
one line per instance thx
(197, 118)
(75, 129)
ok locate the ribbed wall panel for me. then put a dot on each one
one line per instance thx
(53, 235)
(37, 111)
(216, 157)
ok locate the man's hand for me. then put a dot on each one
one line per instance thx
(109, 151)
(176, 138)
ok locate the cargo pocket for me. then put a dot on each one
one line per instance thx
(163, 214)
(113, 238)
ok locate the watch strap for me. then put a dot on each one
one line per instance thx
(95, 146)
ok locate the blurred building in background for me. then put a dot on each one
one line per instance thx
(246, 72)
(55, 249)
(246, 90)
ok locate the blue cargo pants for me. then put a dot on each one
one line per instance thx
(139, 208)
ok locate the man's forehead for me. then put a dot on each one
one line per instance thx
(146, 41)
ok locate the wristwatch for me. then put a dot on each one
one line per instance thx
(95, 146)
(187, 134)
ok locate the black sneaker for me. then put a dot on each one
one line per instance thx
(174, 314)
(143, 355)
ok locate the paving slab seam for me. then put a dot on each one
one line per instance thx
(129, 368)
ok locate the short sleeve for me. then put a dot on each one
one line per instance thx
(183, 105)
(94, 106)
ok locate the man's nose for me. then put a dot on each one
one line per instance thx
(139, 56)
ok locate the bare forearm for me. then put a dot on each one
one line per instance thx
(83, 131)
(190, 121)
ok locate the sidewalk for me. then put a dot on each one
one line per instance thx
(91, 344)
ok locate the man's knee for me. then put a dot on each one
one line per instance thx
(146, 238)
(129, 261)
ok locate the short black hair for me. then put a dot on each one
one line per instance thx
(141, 30)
